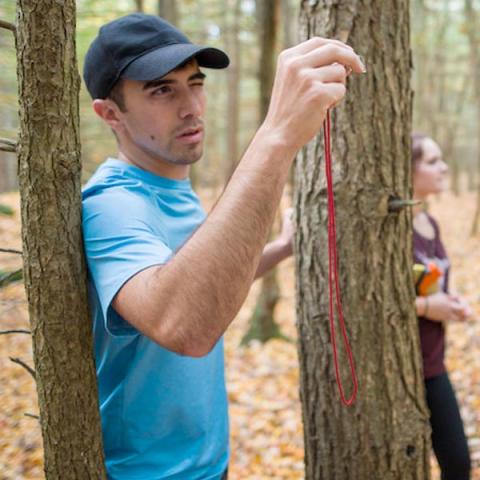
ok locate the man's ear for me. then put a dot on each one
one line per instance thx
(109, 112)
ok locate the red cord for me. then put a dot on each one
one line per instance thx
(333, 273)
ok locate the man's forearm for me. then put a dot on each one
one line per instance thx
(187, 304)
(199, 292)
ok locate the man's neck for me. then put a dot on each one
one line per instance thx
(160, 168)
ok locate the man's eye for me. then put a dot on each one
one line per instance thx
(162, 90)
(197, 84)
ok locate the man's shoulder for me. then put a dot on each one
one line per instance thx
(113, 197)
(108, 176)
(112, 184)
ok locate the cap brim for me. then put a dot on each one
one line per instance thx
(159, 62)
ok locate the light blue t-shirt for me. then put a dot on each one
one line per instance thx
(164, 416)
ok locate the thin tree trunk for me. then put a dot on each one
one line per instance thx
(168, 10)
(139, 4)
(233, 99)
(474, 41)
(385, 434)
(421, 73)
(262, 325)
(289, 23)
(54, 269)
(451, 134)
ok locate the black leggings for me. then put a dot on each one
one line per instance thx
(448, 438)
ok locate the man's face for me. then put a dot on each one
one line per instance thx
(163, 121)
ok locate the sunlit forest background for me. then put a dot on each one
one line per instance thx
(267, 436)
(444, 76)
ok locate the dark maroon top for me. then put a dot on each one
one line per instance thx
(432, 334)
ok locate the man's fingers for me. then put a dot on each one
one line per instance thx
(314, 43)
(330, 54)
(330, 74)
(334, 92)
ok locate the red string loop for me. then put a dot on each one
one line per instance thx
(333, 274)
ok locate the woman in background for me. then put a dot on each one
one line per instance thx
(436, 310)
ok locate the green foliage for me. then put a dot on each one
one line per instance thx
(6, 210)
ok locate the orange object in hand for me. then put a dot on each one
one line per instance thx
(426, 278)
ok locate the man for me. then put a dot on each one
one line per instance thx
(165, 281)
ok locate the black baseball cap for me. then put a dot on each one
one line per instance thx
(141, 47)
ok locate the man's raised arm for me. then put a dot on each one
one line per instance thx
(186, 305)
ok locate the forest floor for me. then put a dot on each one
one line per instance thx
(263, 380)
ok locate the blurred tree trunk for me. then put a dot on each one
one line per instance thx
(421, 73)
(289, 23)
(474, 41)
(8, 172)
(54, 269)
(262, 324)
(168, 10)
(139, 4)
(385, 435)
(451, 134)
(436, 75)
(8, 164)
(233, 79)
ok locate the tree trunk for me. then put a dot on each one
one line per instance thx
(54, 269)
(287, 13)
(8, 172)
(233, 99)
(385, 434)
(421, 73)
(474, 42)
(451, 135)
(168, 10)
(262, 324)
(139, 5)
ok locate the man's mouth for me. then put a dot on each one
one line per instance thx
(191, 135)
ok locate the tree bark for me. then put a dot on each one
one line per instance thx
(385, 434)
(54, 268)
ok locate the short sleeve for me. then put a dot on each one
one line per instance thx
(123, 235)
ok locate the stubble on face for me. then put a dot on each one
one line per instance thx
(171, 152)
(163, 131)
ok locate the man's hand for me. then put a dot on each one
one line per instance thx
(310, 79)
(287, 231)
(281, 248)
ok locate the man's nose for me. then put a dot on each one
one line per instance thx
(192, 105)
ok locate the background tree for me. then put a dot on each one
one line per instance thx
(263, 326)
(54, 271)
(168, 10)
(472, 34)
(233, 15)
(385, 434)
